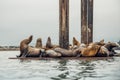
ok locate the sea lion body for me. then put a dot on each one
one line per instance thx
(67, 53)
(90, 50)
(52, 53)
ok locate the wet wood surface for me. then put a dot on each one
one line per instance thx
(65, 58)
(64, 24)
(86, 21)
(90, 21)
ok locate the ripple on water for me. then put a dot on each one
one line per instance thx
(107, 69)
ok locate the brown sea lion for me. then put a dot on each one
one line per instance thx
(24, 46)
(75, 42)
(90, 50)
(67, 53)
(94, 50)
(26, 50)
(101, 42)
(103, 52)
(48, 43)
(111, 45)
(38, 43)
(52, 53)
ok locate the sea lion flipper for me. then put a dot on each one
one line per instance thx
(30, 38)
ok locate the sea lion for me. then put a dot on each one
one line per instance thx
(49, 44)
(101, 42)
(38, 43)
(52, 53)
(103, 52)
(111, 45)
(94, 50)
(67, 53)
(24, 46)
(116, 51)
(90, 50)
(75, 42)
(27, 51)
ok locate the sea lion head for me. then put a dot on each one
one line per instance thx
(24, 46)
(49, 44)
(39, 43)
(101, 42)
(24, 43)
(75, 42)
(52, 53)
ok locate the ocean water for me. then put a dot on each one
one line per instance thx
(57, 69)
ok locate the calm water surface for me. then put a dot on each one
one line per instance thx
(108, 69)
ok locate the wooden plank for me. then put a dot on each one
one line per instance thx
(64, 24)
(31, 58)
(64, 58)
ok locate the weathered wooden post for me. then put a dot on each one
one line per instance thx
(90, 21)
(86, 21)
(84, 35)
(64, 23)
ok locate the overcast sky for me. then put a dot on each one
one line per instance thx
(40, 18)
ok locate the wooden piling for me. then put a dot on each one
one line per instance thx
(86, 21)
(84, 36)
(90, 21)
(64, 24)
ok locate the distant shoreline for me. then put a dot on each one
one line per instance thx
(9, 49)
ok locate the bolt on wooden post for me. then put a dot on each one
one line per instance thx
(64, 24)
(86, 21)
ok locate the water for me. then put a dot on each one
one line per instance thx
(107, 69)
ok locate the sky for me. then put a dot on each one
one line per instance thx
(21, 18)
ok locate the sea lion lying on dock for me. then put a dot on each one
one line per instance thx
(111, 45)
(26, 50)
(52, 53)
(99, 49)
(49, 44)
(67, 53)
(90, 50)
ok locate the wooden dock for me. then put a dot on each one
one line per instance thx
(65, 58)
